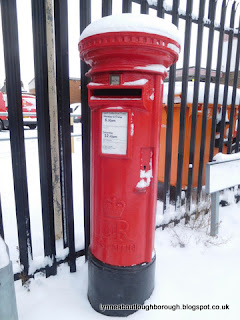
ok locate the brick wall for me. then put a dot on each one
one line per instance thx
(32, 91)
(231, 78)
(75, 91)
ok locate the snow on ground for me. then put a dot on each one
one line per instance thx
(192, 269)
(8, 202)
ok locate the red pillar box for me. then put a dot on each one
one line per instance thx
(128, 55)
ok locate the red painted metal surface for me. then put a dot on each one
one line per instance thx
(2, 106)
(127, 72)
(29, 104)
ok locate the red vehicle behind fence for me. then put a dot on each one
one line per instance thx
(28, 105)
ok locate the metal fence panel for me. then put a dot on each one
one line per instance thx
(195, 103)
(168, 154)
(217, 83)
(41, 83)
(212, 11)
(188, 29)
(235, 81)
(62, 75)
(229, 55)
(11, 53)
(85, 20)
(13, 84)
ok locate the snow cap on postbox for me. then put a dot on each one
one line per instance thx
(130, 41)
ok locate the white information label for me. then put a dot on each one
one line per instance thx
(114, 132)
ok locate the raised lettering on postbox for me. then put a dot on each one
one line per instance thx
(114, 229)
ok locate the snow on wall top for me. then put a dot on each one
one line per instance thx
(132, 23)
(4, 258)
(226, 157)
(190, 92)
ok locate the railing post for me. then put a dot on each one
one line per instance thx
(144, 7)
(214, 214)
(212, 11)
(195, 107)
(217, 82)
(235, 82)
(160, 9)
(53, 114)
(188, 29)
(106, 8)
(42, 98)
(61, 29)
(127, 6)
(226, 82)
(170, 110)
(85, 19)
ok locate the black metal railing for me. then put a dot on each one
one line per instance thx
(13, 84)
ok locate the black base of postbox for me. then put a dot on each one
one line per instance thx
(126, 287)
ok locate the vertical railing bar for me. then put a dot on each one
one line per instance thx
(42, 101)
(85, 20)
(217, 82)
(53, 114)
(144, 7)
(59, 89)
(106, 8)
(226, 82)
(160, 9)
(168, 154)
(188, 29)
(195, 106)
(1, 221)
(13, 85)
(212, 11)
(63, 95)
(127, 6)
(234, 93)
